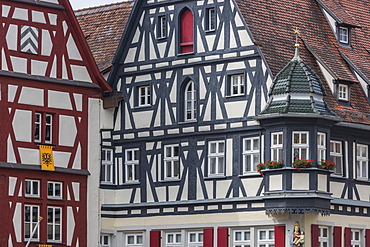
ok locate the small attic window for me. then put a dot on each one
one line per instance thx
(343, 35)
(343, 92)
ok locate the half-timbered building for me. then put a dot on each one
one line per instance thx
(49, 103)
(213, 88)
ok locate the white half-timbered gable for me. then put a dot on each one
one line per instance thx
(50, 89)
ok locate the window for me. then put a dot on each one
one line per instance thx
(173, 239)
(356, 240)
(242, 238)
(343, 35)
(43, 127)
(54, 223)
(187, 33)
(300, 145)
(321, 147)
(162, 27)
(132, 165)
(336, 156)
(107, 166)
(55, 190)
(210, 19)
(144, 96)
(343, 92)
(236, 85)
(31, 217)
(324, 236)
(171, 162)
(134, 240)
(190, 102)
(277, 145)
(251, 154)
(104, 240)
(195, 239)
(265, 238)
(362, 160)
(216, 157)
(32, 188)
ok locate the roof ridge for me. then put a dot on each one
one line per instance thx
(103, 8)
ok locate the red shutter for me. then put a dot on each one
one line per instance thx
(347, 236)
(208, 237)
(279, 232)
(187, 34)
(222, 237)
(315, 235)
(367, 238)
(337, 236)
(155, 238)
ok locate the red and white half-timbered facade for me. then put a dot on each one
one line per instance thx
(50, 91)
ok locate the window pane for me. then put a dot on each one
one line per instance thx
(139, 239)
(221, 147)
(247, 235)
(262, 235)
(192, 237)
(238, 236)
(248, 145)
(130, 239)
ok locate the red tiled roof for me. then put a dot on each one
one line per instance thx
(340, 13)
(271, 23)
(103, 27)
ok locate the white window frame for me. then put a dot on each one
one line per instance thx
(199, 238)
(54, 224)
(321, 146)
(54, 190)
(277, 145)
(362, 161)
(172, 240)
(343, 92)
(43, 121)
(162, 27)
(211, 19)
(31, 183)
(343, 35)
(237, 83)
(144, 93)
(170, 159)
(252, 154)
(190, 103)
(48, 127)
(32, 223)
(357, 242)
(300, 146)
(218, 156)
(104, 240)
(38, 127)
(136, 237)
(242, 242)
(268, 242)
(107, 166)
(133, 164)
(324, 240)
(335, 155)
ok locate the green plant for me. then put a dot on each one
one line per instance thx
(302, 163)
(271, 164)
(327, 164)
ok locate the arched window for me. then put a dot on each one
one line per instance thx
(190, 102)
(187, 33)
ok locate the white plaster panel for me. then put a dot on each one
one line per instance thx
(236, 65)
(161, 193)
(137, 196)
(65, 27)
(52, 19)
(244, 37)
(78, 101)
(76, 190)
(173, 191)
(17, 221)
(300, 181)
(47, 44)
(276, 182)
(19, 64)
(71, 225)
(210, 41)
(364, 192)
(331, 21)
(142, 119)
(188, 71)
(29, 156)
(5, 10)
(80, 73)
(328, 77)
(229, 157)
(142, 78)
(10, 151)
(21, 14)
(235, 109)
(252, 107)
(222, 188)
(61, 159)
(59, 100)
(251, 185)
(22, 123)
(38, 16)
(77, 161)
(67, 130)
(12, 37)
(73, 52)
(64, 69)
(322, 182)
(53, 72)
(38, 67)
(12, 183)
(4, 65)
(32, 96)
(209, 188)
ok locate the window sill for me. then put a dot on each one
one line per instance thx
(32, 197)
(185, 54)
(55, 199)
(170, 180)
(210, 31)
(215, 177)
(250, 174)
(189, 122)
(362, 180)
(131, 183)
(142, 106)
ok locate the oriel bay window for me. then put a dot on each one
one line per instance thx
(276, 145)
(132, 165)
(362, 161)
(43, 127)
(321, 146)
(300, 145)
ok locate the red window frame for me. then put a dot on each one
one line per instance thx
(187, 32)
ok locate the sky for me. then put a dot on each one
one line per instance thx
(79, 4)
